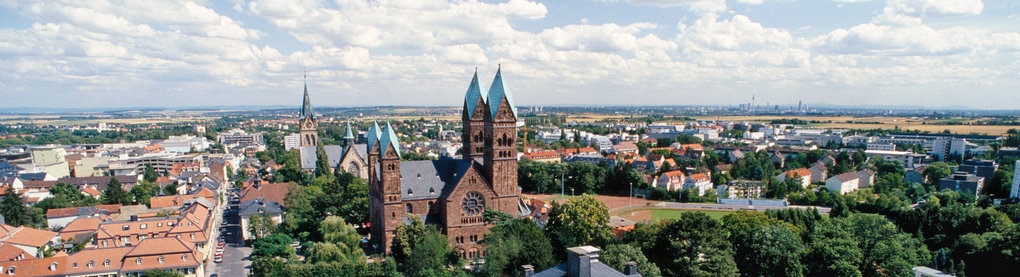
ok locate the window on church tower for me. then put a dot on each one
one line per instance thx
(408, 208)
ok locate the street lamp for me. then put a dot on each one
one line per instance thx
(571, 192)
(631, 194)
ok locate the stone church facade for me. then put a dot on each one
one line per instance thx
(450, 193)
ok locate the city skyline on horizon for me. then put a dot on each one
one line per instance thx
(933, 54)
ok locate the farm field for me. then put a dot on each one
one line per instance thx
(880, 122)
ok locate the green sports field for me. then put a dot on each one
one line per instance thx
(661, 214)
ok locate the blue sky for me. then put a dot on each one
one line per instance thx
(102, 53)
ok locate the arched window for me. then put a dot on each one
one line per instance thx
(408, 208)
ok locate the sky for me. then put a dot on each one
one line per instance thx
(170, 53)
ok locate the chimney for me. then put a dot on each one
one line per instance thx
(630, 269)
(527, 270)
(580, 259)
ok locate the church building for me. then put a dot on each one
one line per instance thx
(350, 158)
(450, 193)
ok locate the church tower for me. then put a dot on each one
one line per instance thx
(348, 136)
(308, 129)
(384, 181)
(473, 119)
(500, 147)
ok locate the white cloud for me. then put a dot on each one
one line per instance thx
(693, 5)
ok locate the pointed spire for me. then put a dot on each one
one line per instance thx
(349, 135)
(373, 135)
(474, 92)
(497, 92)
(306, 105)
(389, 139)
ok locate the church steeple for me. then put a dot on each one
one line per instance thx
(306, 106)
(498, 93)
(349, 135)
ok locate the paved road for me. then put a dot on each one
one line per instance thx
(235, 254)
(725, 207)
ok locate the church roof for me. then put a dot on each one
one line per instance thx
(373, 135)
(308, 156)
(348, 134)
(430, 179)
(306, 105)
(474, 92)
(497, 92)
(389, 139)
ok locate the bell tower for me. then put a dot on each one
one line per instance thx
(500, 145)
(473, 119)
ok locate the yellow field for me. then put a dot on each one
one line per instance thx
(879, 122)
(55, 120)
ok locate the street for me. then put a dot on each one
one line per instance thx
(235, 253)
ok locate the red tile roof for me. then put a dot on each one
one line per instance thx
(269, 192)
(30, 237)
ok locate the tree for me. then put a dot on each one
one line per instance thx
(406, 237)
(771, 251)
(341, 242)
(14, 210)
(583, 220)
(697, 246)
(617, 255)
(115, 193)
(321, 163)
(935, 172)
(143, 191)
(432, 256)
(863, 245)
(150, 174)
(514, 242)
(260, 226)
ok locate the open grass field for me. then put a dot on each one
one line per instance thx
(662, 214)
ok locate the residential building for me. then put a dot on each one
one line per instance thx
(818, 172)
(915, 175)
(582, 261)
(239, 137)
(1015, 189)
(545, 156)
(50, 159)
(963, 183)
(946, 147)
(270, 209)
(867, 177)
(905, 158)
(804, 175)
(981, 168)
(291, 141)
(32, 241)
(626, 148)
(700, 181)
(844, 183)
(742, 189)
(671, 180)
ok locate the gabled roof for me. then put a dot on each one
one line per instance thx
(545, 154)
(30, 237)
(473, 94)
(845, 177)
(157, 246)
(799, 172)
(673, 174)
(275, 192)
(98, 257)
(52, 266)
(25, 177)
(10, 252)
(700, 177)
(389, 139)
(251, 207)
(497, 92)
(430, 179)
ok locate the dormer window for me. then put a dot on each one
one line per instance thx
(144, 226)
(432, 190)
(184, 257)
(10, 271)
(159, 224)
(138, 261)
(106, 263)
(409, 192)
(53, 266)
(74, 265)
(125, 227)
(160, 259)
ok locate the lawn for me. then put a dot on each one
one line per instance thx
(660, 214)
